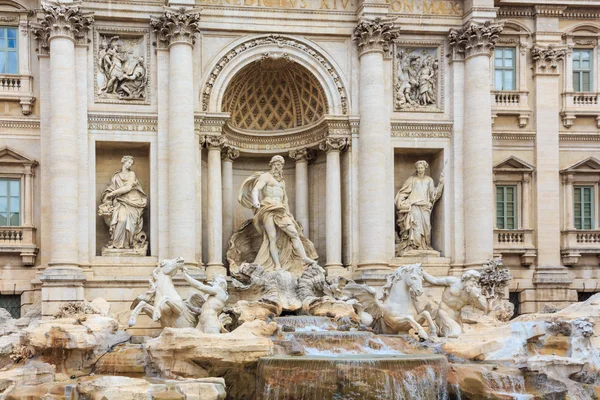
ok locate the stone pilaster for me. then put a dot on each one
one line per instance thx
(214, 218)
(176, 29)
(228, 154)
(302, 158)
(333, 224)
(475, 42)
(62, 26)
(374, 148)
(546, 77)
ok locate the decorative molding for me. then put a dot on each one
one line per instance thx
(229, 153)
(549, 10)
(302, 155)
(210, 124)
(579, 137)
(65, 21)
(374, 35)
(546, 59)
(581, 13)
(214, 142)
(515, 12)
(281, 41)
(20, 124)
(585, 42)
(529, 137)
(178, 25)
(122, 123)
(405, 74)
(475, 39)
(334, 144)
(421, 130)
(136, 40)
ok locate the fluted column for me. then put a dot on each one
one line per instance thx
(333, 201)
(375, 149)
(476, 43)
(176, 29)
(302, 157)
(214, 220)
(63, 280)
(228, 155)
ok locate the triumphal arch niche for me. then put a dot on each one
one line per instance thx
(276, 95)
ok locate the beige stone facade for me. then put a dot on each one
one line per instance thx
(351, 93)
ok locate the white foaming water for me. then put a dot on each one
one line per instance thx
(380, 348)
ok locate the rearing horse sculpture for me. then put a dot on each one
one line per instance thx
(167, 306)
(397, 311)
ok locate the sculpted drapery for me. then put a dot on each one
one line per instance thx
(414, 202)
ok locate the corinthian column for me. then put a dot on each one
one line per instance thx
(375, 148)
(63, 281)
(176, 29)
(215, 208)
(302, 157)
(333, 200)
(228, 155)
(476, 43)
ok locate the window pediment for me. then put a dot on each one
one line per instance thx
(589, 165)
(513, 164)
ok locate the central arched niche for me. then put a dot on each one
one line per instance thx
(274, 94)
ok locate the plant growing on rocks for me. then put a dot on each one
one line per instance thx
(493, 280)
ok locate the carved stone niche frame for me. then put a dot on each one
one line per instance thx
(136, 39)
(416, 47)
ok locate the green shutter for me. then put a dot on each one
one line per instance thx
(10, 202)
(583, 207)
(582, 70)
(506, 207)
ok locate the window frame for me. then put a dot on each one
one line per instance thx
(580, 71)
(504, 69)
(515, 202)
(580, 202)
(8, 200)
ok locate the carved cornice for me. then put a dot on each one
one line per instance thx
(529, 137)
(211, 124)
(579, 137)
(63, 21)
(229, 153)
(421, 130)
(214, 142)
(581, 13)
(475, 39)
(515, 12)
(302, 155)
(122, 123)
(281, 42)
(177, 26)
(333, 144)
(374, 35)
(547, 10)
(546, 59)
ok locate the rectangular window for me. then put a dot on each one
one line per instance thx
(9, 60)
(583, 204)
(504, 68)
(12, 304)
(10, 202)
(506, 207)
(582, 70)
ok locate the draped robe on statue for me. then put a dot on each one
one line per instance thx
(414, 218)
(126, 223)
(245, 241)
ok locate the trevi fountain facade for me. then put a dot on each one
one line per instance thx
(300, 199)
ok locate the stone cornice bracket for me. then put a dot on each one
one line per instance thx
(214, 142)
(178, 25)
(547, 10)
(41, 36)
(546, 59)
(475, 39)
(229, 153)
(374, 35)
(333, 144)
(60, 20)
(303, 154)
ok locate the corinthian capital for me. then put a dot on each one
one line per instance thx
(214, 142)
(374, 35)
(177, 26)
(302, 155)
(475, 38)
(333, 144)
(229, 153)
(546, 59)
(63, 21)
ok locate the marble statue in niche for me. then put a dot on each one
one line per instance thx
(122, 73)
(416, 83)
(273, 239)
(414, 202)
(122, 207)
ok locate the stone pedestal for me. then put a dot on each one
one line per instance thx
(60, 285)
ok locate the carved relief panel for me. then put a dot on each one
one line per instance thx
(122, 66)
(418, 77)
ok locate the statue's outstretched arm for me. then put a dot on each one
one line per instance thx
(441, 281)
(199, 285)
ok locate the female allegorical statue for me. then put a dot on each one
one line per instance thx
(123, 203)
(414, 203)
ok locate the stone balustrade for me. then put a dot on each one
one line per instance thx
(515, 241)
(19, 239)
(17, 88)
(577, 242)
(582, 104)
(511, 102)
